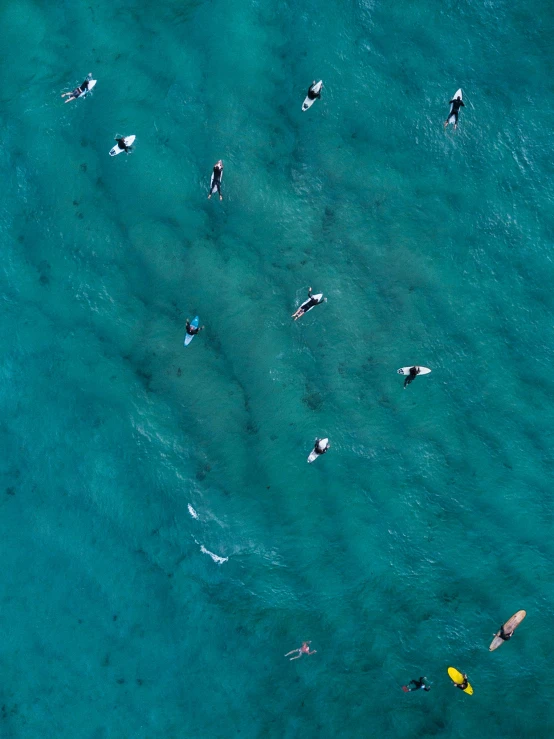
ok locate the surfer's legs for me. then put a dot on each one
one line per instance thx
(452, 118)
(216, 186)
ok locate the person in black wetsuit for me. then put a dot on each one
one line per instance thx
(307, 304)
(122, 145)
(504, 635)
(414, 372)
(192, 330)
(463, 685)
(418, 685)
(78, 91)
(318, 449)
(216, 182)
(456, 105)
(311, 94)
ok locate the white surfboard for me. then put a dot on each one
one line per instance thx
(451, 118)
(189, 337)
(313, 454)
(128, 140)
(307, 102)
(212, 188)
(91, 84)
(406, 370)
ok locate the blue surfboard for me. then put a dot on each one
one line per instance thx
(189, 337)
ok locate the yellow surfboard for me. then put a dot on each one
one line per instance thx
(458, 678)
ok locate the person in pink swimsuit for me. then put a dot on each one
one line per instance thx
(304, 649)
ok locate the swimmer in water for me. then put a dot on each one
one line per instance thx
(78, 91)
(304, 649)
(308, 305)
(453, 117)
(414, 372)
(418, 685)
(216, 182)
(192, 330)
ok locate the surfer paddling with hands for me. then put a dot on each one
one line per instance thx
(78, 91)
(215, 184)
(456, 104)
(192, 330)
(304, 649)
(308, 304)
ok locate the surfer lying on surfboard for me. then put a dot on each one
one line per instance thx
(78, 91)
(463, 685)
(456, 104)
(414, 372)
(215, 184)
(308, 304)
(192, 330)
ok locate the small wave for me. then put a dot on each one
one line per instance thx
(219, 560)
(192, 512)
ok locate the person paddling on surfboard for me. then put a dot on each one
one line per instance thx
(463, 685)
(311, 94)
(304, 649)
(414, 372)
(308, 304)
(78, 91)
(456, 104)
(318, 448)
(418, 685)
(216, 180)
(192, 330)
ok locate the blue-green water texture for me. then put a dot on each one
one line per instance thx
(164, 542)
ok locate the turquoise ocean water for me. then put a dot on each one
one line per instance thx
(430, 520)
